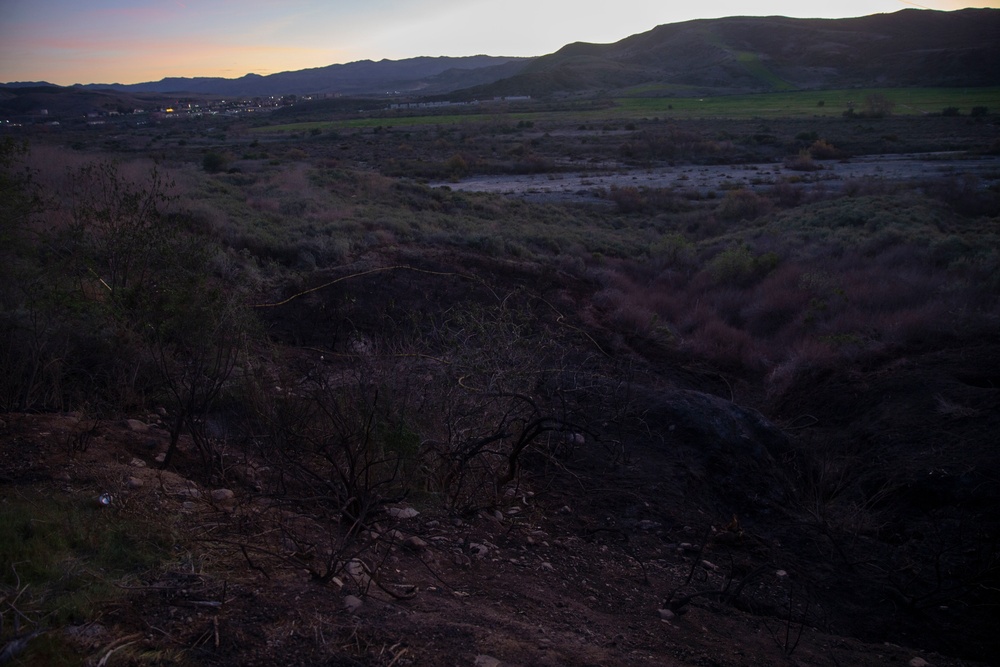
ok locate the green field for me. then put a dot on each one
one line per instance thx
(799, 104)
(908, 101)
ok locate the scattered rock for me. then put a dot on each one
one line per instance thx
(478, 550)
(134, 483)
(402, 512)
(161, 457)
(414, 543)
(919, 662)
(189, 492)
(136, 426)
(222, 495)
(352, 604)
(548, 566)
(487, 661)
(667, 615)
(137, 463)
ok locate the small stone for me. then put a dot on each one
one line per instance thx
(134, 483)
(919, 662)
(352, 604)
(548, 566)
(136, 426)
(188, 505)
(709, 566)
(462, 560)
(402, 512)
(414, 543)
(667, 615)
(479, 550)
(137, 463)
(223, 495)
(487, 661)
(189, 492)
(781, 574)
(161, 457)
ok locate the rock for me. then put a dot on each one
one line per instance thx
(487, 661)
(478, 550)
(137, 463)
(724, 442)
(161, 457)
(919, 662)
(136, 426)
(414, 543)
(352, 604)
(667, 615)
(134, 483)
(709, 566)
(462, 560)
(188, 505)
(402, 512)
(222, 495)
(548, 566)
(189, 492)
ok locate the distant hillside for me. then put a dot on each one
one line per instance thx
(365, 77)
(731, 55)
(756, 54)
(46, 100)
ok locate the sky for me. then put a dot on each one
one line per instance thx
(132, 41)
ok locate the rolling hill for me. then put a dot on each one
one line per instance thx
(758, 54)
(731, 55)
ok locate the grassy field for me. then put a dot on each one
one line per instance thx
(784, 104)
(908, 101)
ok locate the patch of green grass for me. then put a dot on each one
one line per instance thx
(61, 557)
(908, 101)
(753, 64)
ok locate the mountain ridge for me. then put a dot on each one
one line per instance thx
(736, 55)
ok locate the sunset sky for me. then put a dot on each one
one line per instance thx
(122, 41)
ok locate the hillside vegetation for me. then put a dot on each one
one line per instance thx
(291, 389)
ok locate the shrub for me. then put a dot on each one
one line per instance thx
(801, 162)
(214, 162)
(743, 205)
(738, 265)
(821, 149)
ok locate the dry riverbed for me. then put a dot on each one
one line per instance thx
(705, 179)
